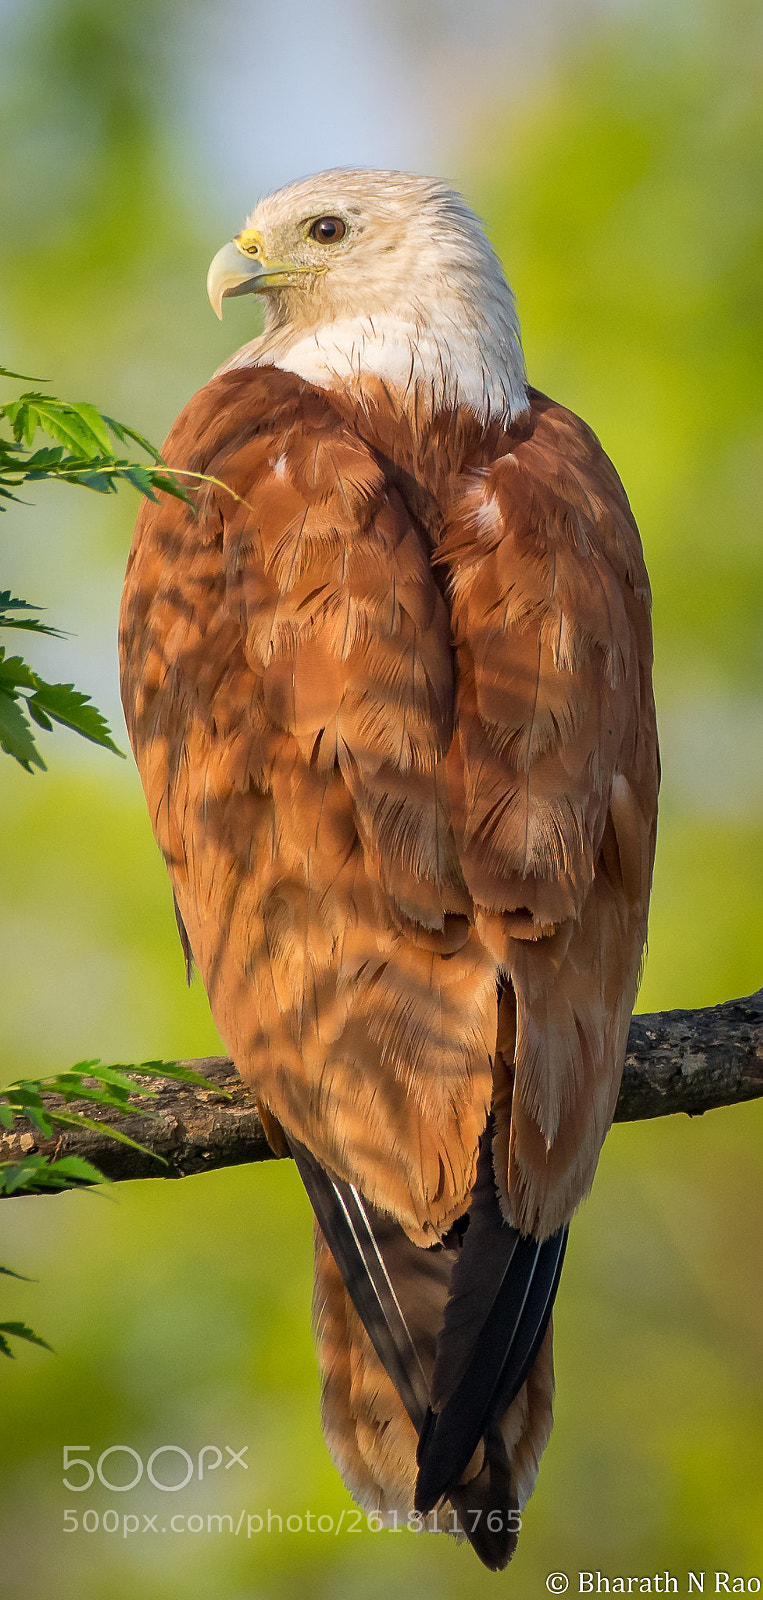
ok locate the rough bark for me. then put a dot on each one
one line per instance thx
(677, 1061)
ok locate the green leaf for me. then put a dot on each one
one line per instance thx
(31, 625)
(112, 1076)
(38, 715)
(23, 419)
(113, 1099)
(78, 1170)
(124, 433)
(16, 737)
(15, 673)
(24, 1093)
(19, 1330)
(43, 460)
(40, 1119)
(15, 1175)
(66, 705)
(101, 482)
(70, 425)
(95, 423)
(9, 603)
(174, 1070)
(177, 1072)
(38, 1174)
(170, 486)
(141, 478)
(76, 1120)
(5, 372)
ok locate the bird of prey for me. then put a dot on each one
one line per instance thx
(388, 685)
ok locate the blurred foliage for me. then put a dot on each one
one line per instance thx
(625, 202)
(105, 241)
(622, 193)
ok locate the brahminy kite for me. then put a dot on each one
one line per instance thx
(388, 685)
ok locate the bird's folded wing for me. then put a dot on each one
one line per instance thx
(288, 685)
(553, 783)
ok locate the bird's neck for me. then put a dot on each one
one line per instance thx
(427, 366)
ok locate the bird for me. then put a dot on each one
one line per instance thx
(388, 683)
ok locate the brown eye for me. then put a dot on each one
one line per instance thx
(328, 230)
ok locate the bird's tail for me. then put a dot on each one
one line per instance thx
(436, 1363)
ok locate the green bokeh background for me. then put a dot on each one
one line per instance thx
(621, 184)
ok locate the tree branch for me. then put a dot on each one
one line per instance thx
(690, 1061)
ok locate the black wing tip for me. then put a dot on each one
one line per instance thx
(495, 1545)
(487, 1508)
(487, 1511)
(450, 1436)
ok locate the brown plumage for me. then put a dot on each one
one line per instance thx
(389, 694)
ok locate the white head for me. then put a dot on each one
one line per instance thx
(383, 274)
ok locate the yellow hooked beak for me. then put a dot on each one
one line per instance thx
(241, 267)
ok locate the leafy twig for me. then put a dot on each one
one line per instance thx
(104, 1086)
(82, 453)
(34, 1173)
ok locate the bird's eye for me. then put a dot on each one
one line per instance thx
(328, 230)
